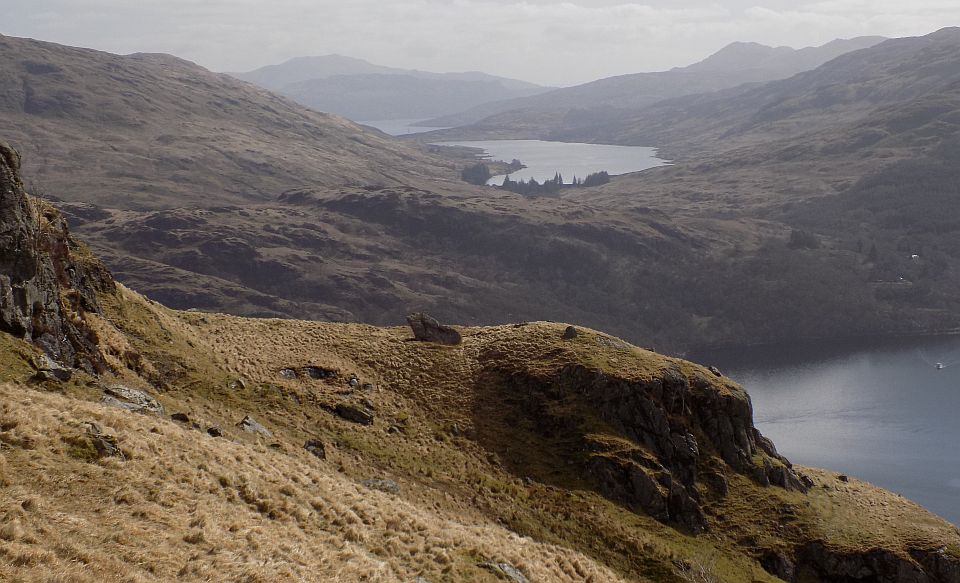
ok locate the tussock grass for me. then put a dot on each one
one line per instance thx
(183, 505)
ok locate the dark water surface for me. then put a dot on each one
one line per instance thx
(882, 412)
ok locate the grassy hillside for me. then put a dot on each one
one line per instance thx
(480, 476)
(153, 131)
(206, 446)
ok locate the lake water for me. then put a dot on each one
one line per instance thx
(398, 127)
(545, 159)
(881, 412)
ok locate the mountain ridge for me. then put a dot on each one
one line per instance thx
(641, 89)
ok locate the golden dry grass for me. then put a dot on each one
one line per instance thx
(183, 505)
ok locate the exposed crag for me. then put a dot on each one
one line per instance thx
(46, 283)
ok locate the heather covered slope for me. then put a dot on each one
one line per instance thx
(370, 456)
(153, 131)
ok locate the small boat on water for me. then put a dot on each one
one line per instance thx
(939, 366)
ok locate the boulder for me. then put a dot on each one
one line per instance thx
(505, 571)
(428, 329)
(354, 413)
(570, 333)
(249, 425)
(132, 400)
(316, 447)
(55, 370)
(181, 417)
(214, 431)
(105, 445)
(319, 373)
(388, 486)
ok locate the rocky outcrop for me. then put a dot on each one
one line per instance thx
(659, 435)
(819, 562)
(47, 283)
(133, 400)
(428, 329)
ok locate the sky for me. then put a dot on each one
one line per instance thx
(545, 41)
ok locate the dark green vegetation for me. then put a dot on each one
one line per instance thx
(554, 186)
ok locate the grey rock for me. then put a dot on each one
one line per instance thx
(715, 371)
(249, 425)
(316, 447)
(214, 431)
(354, 413)
(36, 268)
(288, 373)
(428, 329)
(505, 571)
(319, 373)
(106, 445)
(132, 400)
(570, 333)
(55, 369)
(388, 486)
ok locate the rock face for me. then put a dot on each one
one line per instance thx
(428, 329)
(44, 289)
(671, 428)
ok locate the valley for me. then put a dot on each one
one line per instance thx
(525, 451)
(204, 280)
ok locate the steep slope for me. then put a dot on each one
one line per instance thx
(268, 450)
(360, 90)
(48, 282)
(736, 64)
(153, 131)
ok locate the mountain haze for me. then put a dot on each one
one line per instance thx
(736, 64)
(364, 91)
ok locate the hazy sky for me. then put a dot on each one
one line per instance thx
(547, 41)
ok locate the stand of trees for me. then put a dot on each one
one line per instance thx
(552, 187)
(477, 174)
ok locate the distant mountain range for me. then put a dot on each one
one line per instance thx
(734, 65)
(362, 91)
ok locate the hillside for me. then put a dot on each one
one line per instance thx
(608, 99)
(361, 90)
(859, 88)
(679, 258)
(153, 131)
(208, 446)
